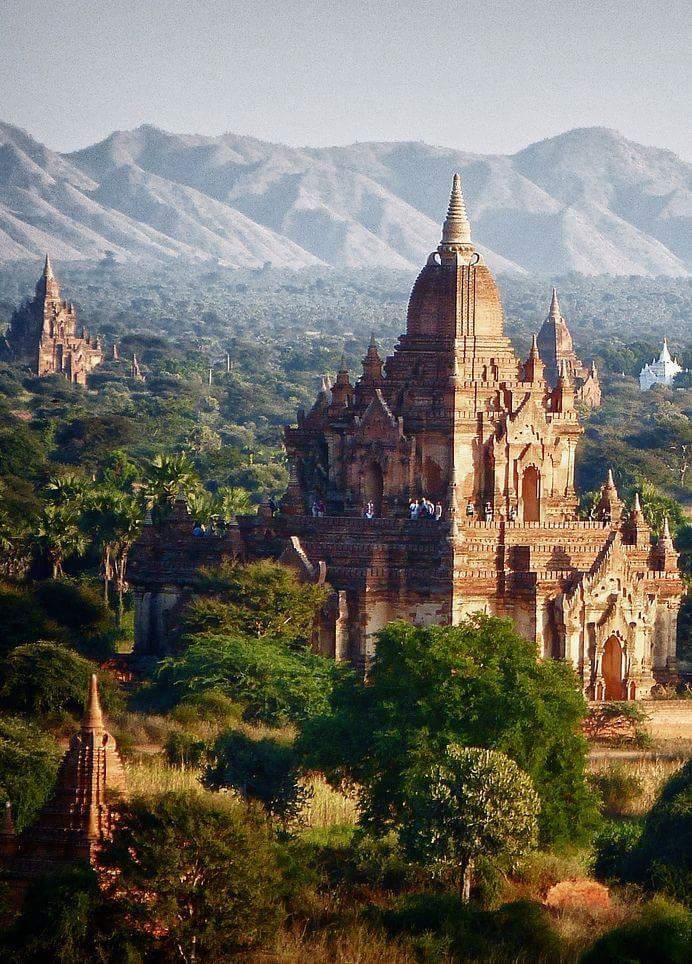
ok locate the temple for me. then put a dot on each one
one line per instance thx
(454, 420)
(43, 334)
(556, 350)
(78, 817)
(661, 371)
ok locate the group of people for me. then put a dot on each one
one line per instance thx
(318, 509)
(488, 513)
(217, 527)
(425, 509)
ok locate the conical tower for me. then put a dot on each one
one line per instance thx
(555, 345)
(78, 817)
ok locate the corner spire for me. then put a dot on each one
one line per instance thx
(456, 228)
(93, 715)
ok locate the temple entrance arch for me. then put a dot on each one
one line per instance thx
(531, 494)
(612, 669)
(373, 486)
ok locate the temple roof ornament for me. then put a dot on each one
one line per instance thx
(456, 228)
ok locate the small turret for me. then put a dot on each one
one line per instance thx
(664, 553)
(342, 390)
(533, 366)
(609, 506)
(92, 721)
(372, 363)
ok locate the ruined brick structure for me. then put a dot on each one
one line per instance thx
(77, 818)
(43, 334)
(557, 353)
(452, 415)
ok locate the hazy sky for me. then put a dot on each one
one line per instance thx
(492, 75)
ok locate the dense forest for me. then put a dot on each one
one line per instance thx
(280, 809)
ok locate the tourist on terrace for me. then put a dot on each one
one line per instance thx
(470, 510)
(438, 511)
(197, 529)
(369, 512)
(512, 514)
(414, 509)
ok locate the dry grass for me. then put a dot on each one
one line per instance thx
(354, 944)
(651, 774)
(154, 776)
(328, 807)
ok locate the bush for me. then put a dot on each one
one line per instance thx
(209, 706)
(28, 765)
(184, 750)
(262, 599)
(618, 790)
(22, 619)
(614, 846)
(661, 932)
(663, 859)
(79, 608)
(520, 931)
(276, 685)
(197, 876)
(263, 770)
(41, 679)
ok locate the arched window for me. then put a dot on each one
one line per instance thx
(612, 669)
(531, 494)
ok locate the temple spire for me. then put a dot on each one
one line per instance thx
(93, 716)
(456, 228)
(48, 269)
(554, 306)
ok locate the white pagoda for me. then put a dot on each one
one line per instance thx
(661, 372)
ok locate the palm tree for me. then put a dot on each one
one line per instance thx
(114, 520)
(233, 500)
(58, 535)
(166, 476)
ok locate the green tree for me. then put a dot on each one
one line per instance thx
(45, 678)
(261, 770)
(477, 684)
(196, 875)
(661, 932)
(58, 535)
(166, 476)
(472, 803)
(260, 599)
(276, 685)
(113, 520)
(29, 760)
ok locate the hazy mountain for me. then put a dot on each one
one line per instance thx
(588, 200)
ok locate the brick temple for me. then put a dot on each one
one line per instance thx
(454, 417)
(78, 817)
(557, 351)
(43, 334)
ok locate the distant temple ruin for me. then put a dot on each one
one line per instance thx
(440, 484)
(557, 353)
(78, 817)
(661, 371)
(43, 334)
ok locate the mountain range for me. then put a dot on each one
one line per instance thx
(588, 200)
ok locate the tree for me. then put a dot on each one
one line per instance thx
(45, 678)
(262, 770)
(195, 875)
(477, 684)
(260, 599)
(58, 535)
(276, 685)
(166, 476)
(29, 760)
(233, 500)
(472, 803)
(114, 520)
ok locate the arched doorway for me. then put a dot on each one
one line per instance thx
(373, 486)
(531, 494)
(612, 669)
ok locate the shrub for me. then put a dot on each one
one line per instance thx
(259, 599)
(276, 685)
(614, 846)
(22, 619)
(663, 859)
(28, 764)
(45, 678)
(79, 608)
(196, 875)
(209, 706)
(661, 932)
(520, 931)
(618, 790)
(184, 750)
(263, 770)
